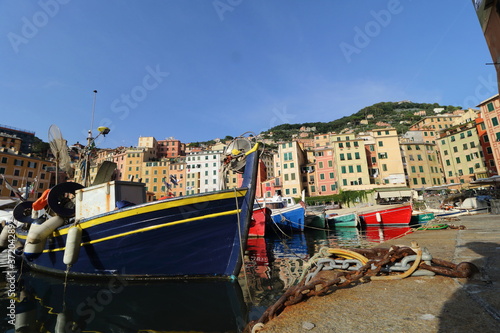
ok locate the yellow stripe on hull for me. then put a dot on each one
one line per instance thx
(209, 216)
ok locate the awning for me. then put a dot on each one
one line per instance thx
(394, 194)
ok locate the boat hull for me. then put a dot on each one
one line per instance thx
(315, 221)
(345, 220)
(400, 215)
(422, 218)
(260, 217)
(289, 218)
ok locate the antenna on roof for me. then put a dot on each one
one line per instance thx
(89, 137)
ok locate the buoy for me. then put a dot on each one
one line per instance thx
(26, 319)
(38, 233)
(60, 323)
(3, 237)
(73, 244)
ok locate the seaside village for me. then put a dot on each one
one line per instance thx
(443, 151)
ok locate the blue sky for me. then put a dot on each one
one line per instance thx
(202, 69)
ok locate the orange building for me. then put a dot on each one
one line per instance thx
(22, 170)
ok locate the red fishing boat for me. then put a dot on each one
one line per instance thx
(387, 215)
(260, 217)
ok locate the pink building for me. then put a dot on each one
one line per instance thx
(490, 112)
(326, 180)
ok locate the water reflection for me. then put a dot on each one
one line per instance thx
(272, 264)
(45, 304)
(266, 279)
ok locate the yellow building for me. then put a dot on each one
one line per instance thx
(289, 162)
(350, 162)
(461, 154)
(389, 164)
(422, 164)
(428, 128)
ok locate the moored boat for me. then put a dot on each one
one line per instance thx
(343, 220)
(285, 214)
(387, 215)
(261, 216)
(197, 236)
(315, 220)
(418, 217)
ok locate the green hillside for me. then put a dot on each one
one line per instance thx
(400, 115)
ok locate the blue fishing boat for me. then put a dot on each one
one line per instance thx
(285, 214)
(197, 236)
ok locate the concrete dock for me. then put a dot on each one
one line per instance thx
(415, 304)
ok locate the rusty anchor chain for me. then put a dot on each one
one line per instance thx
(348, 267)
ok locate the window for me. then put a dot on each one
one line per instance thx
(415, 181)
(351, 169)
(380, 143)
(490, 106)
(349, 156)
(320, 164)
(374, 159)
(331, 175)
(356, 155)
(458, 159)
(384, 167)
(420, 168)
(494, 121)
(423, 181)
(382, 155)
(413, 169)
(322, 176)
(465, 146)
(323, 188)
(343, 169)
(342, 157)
(358, 168)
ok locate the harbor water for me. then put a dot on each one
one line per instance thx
(272, 264)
